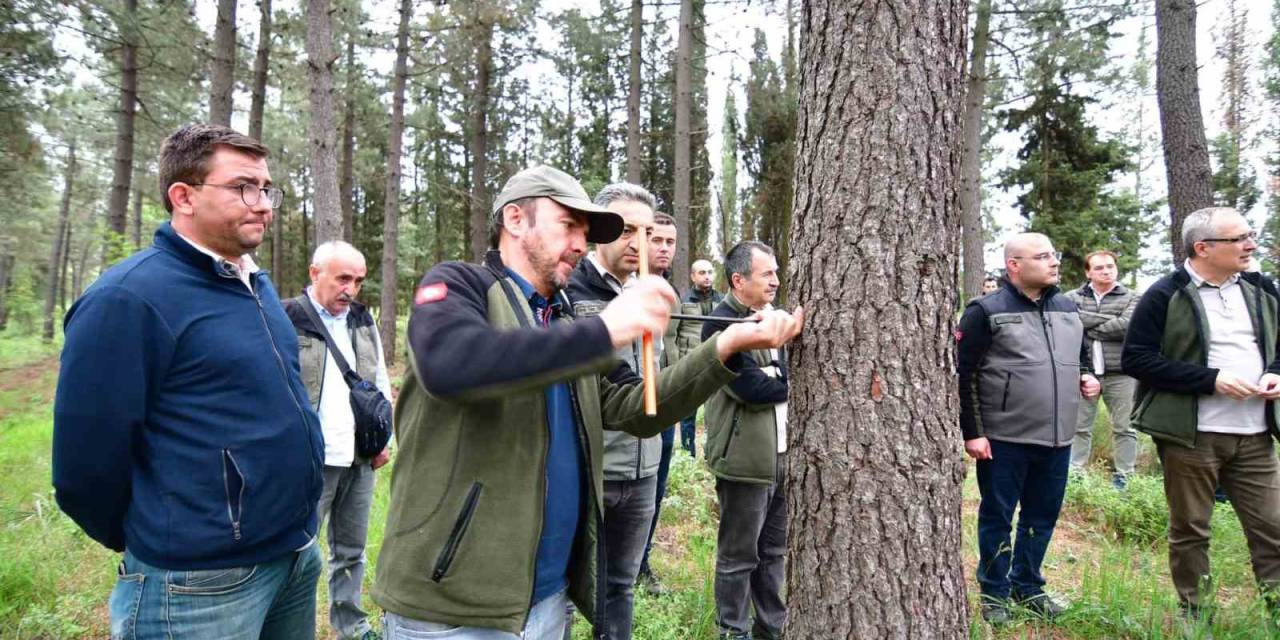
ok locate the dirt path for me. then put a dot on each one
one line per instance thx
(26, 385)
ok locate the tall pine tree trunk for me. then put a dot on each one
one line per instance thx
(324, 161)
(137, 220)
(63, 265)
(59, 236)
(683, 139)
(633, 93)
(346, 180)
(222, 77)
(480, 139)
(6, 275)
(975, 95)
(391, 217)
(122, 171)
(1186, 154)
(257, 105)
(875, 468)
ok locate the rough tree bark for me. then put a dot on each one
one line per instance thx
(257, 105)
(633, 93)
(59, 235)
(346, 177)
(122, 171)
(324, 160)
(1186, 154)
(975, 95)
(391, 215)
(136, 223)
(222, 76)
(63, 265)
(683, 140)
(875, 464)
(6, 274)
(480, 137)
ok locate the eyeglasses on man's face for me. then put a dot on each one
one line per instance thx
(1251, 236)
(251, 193)
(1042, 257)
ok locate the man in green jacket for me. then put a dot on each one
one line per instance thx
(495, 510)
(1202, 345)
(746, 446)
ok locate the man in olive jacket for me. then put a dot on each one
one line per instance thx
(495, 508)
(746, 446)
(1202, 345)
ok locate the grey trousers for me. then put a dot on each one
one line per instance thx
(344, 504)
(628, 512)
(751, 550)
(1117, 391)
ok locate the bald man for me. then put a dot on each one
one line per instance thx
(337, 273)
(1022, 368)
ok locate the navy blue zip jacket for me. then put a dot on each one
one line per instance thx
(182, 431)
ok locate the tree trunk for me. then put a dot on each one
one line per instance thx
(324, 161)
(633, 94)
(137, 219)
(122, 172)
(260, 71)
(683, 106)
(59, 235)
(391, 214)
(63, 266)
(222, 77)
(480, 140)
(1186, 154)
(6, 274)
(346, 180)
(975, 95)
(875, 471)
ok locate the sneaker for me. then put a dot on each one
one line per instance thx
(370, 635)
(996, 612)
(735, 635)
(1195, 623)
(1120, 481)
(1042, 605)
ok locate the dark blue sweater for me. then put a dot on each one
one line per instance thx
(182, 430)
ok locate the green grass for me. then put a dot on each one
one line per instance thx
(1108, 557)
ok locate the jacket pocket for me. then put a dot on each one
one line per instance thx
(233, 485)
(1004, 402)
(445, 559)
(733, 432)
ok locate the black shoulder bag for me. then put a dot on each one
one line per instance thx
(370, 408)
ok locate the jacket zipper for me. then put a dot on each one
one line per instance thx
(262, 313)
(733, 430)
(1004, 403)
(233, 515)
(445, 560)
(1053, 370)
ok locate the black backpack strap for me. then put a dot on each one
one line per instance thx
(351, 377)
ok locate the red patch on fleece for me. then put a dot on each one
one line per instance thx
(958, 334)
(431, 293)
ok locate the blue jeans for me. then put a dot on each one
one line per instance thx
(689, 434)
(546, 621)
(664, 467)
(274, 600)
(1035, 477)
(344, 506)
(628, 511)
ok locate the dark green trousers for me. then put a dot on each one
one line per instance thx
(1247, 468)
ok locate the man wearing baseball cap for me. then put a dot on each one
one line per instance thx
(495, 508)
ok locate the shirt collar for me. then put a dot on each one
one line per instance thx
(535, 299)
(247, 265)
(1201, 282)
(611, 279)
(324, 313)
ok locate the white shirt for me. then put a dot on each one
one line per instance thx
(243, 271)
(336, 420)
(1233, 347)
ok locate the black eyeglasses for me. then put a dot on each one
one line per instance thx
(250, 193)
(1252, 235)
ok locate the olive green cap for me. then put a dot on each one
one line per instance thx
(603, 225)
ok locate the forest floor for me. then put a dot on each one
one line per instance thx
(1108, 557)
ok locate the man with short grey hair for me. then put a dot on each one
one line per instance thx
(337, 273)
(1202, 345)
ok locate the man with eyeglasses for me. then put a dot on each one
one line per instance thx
(1022, 371)
(183, 435)
(1202, 345)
